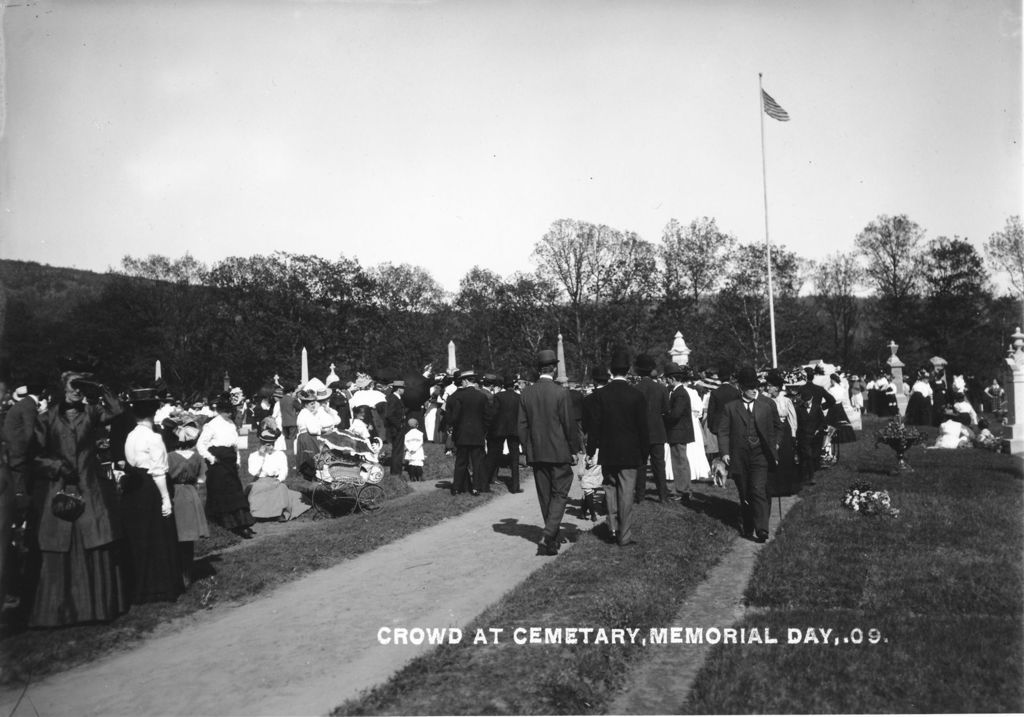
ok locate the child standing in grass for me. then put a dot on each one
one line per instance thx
(414, 455)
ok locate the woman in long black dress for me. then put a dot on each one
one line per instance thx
(154, 567)
(919, 407)
(784, 479)
(80, 579)
(225, 499)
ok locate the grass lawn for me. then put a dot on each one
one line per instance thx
(231, 571)
(596, 584)
(942, 584)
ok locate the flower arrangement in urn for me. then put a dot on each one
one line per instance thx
(900, 438)
(861, 498)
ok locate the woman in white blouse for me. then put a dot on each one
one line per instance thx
(315, 418)
(225, 500)
(700, 469)
(154, 567)
(269, 497)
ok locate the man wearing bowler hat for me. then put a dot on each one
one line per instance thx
(504, 431)
(550, 439)
(657, 406)
(618, 428)
(748, 435)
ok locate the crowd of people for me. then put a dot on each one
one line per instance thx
(106, 490)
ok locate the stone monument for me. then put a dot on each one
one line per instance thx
(561, 377)
(332, 377)
(1015, 393)
(680, 352)
(896, 369)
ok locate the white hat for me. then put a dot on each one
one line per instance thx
(314, 390)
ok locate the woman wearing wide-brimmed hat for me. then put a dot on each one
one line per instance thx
(184, 471)
(269, 497)
(225, 500)
(315, 418)
(154, 565)
(80, 579)
(784, 477)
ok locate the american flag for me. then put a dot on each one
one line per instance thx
(772, 108)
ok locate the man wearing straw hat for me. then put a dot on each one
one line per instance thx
(468, 416)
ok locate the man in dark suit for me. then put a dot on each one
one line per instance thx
(550, 439)
(618, 429)
(657, 406)
(679, 427)
(394, 421)
(16, 487)
(812, 406)
(467, 416)
(504, 431)
(748, 431)
(724, 394)
(18, 431)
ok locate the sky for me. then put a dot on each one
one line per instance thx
(451, 134)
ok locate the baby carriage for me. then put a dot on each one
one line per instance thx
(347, 467)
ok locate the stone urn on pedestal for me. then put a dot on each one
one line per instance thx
(901, 438)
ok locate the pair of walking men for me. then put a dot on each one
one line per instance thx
(615, 418)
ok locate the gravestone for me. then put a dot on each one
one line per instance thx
(1015, 394)
(452, 366)
(562, 377)
(680, 352)
(896, 369)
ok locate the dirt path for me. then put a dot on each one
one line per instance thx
(661, 684)
(312, 644)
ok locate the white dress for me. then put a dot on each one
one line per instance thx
(700, 469)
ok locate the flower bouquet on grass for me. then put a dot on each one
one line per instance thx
(900, 438)
(861, 498)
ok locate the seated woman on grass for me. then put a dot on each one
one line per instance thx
(269, 497)
(954, 433)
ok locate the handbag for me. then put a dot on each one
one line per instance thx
(67, 506)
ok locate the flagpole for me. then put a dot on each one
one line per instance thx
(767, 241)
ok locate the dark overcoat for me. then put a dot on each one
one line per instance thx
(617, 422)
(67, 453)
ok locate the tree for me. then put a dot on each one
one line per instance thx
(477, 303)
(186, 270)
(527, 305)
(693, 258)
(409, 311)
(891, 246)
(270, 307)
(403, 287)
(957, 296)
(836, 281)
(742, 319)
(594, 265)
(1005, 252)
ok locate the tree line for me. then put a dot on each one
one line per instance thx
(597, 286)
